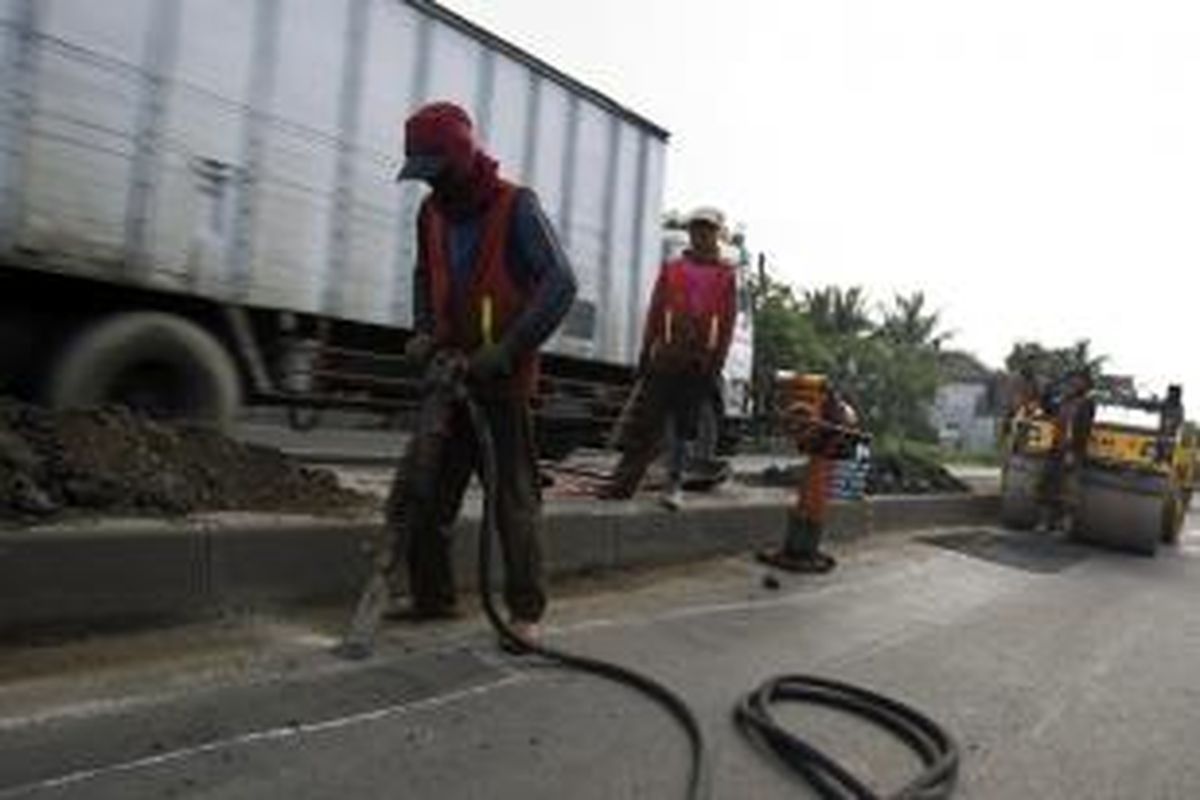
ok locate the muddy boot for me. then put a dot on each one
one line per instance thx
(801, 549)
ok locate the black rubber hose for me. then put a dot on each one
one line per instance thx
(934, 746)
(699, 784)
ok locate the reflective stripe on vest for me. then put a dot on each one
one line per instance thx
(482, 311)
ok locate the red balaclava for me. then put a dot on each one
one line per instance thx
(469, 178)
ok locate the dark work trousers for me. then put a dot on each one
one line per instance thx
(1061, 476)
(666, 397)
(1059, 486)
(427, 494)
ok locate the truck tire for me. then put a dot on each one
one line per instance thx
(158, 364)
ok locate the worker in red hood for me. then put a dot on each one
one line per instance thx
(491, 282)
(688, 330)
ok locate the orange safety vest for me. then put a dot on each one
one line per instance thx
(692, 320)
(492, 302)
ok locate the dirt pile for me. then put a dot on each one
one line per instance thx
(110, 460)
(889, 473)
(905, 473)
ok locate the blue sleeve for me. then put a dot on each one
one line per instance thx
(541, 269)
(423, 321)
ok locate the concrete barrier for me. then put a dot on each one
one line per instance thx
(124, 572)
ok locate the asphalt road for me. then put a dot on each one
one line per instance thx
(1065, 672)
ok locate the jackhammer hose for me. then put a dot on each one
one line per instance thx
(935, 747)
(699, 785)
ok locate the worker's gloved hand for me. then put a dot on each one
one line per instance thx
(419, 349)
(490, 363)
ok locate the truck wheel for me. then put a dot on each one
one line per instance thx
(157, 364)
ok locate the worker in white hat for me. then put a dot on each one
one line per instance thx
(688, 330)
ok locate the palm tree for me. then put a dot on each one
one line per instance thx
(908, 323)
(1052, 364)
(838, 312)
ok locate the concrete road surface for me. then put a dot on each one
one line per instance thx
(1065, 672)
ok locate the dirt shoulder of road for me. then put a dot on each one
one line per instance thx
(55, 464)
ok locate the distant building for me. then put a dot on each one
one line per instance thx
(966, 407)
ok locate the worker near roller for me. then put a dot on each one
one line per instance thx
(1025, 401)
(492, 283)
(1074, 413)
(689, 326)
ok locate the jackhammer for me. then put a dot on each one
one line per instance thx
(440, 387)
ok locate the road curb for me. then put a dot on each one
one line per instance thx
(124, 572)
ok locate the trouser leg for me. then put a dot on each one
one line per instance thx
(1053, 481)
(518, 508)
(643, 435)
(691, 393)
(678, 456)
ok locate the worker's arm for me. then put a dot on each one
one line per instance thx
(420, 347)
(654, 318)
(542, 271)
(727, 320)
(422, 303)
(1081, 422)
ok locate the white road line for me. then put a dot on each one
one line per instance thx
(80, 710)
(269, 735)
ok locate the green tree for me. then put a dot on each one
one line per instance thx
(909, 341)
(1051, 365)
(886, 364)
(835, 311)
(785, 338)
(909, 322)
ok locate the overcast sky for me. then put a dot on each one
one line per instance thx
(1033, 165)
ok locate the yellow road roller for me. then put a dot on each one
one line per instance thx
(1129, 488)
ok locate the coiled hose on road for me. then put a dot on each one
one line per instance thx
(935, 747)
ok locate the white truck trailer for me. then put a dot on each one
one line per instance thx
(198, 207)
